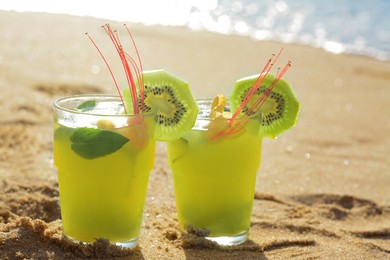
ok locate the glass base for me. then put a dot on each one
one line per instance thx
(229, 240)
(129, 244)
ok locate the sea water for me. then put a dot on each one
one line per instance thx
(344, 26)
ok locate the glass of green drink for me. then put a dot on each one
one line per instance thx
(104, 147)
(214, 175)
(103, 157)
(215, 164)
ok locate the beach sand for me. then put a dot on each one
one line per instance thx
(323, 190)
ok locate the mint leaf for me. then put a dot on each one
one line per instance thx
(87, 105)
(92, 143)
(182, 142)
(62, 133)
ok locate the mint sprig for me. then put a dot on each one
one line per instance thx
(91, 143)
(87, 105)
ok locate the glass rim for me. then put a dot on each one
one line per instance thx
(56, 105)
(209, 100)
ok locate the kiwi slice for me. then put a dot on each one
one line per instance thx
(170, 100)
(280, 110)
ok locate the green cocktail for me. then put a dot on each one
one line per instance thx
(214, 178)
(104, 146)
(103, 158)
(215, 164)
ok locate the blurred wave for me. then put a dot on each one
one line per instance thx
(344, 26)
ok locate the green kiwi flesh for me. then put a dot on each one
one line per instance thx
(170, 100)
(280, 110)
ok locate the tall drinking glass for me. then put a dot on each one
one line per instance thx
(214, 178)
(103, 157)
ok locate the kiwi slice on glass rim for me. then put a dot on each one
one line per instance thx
(280, 109)
(158, 92)
(170, 100)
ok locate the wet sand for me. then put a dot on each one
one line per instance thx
(323, 188)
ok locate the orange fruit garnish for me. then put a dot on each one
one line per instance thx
(218, 106)
(219, 126)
